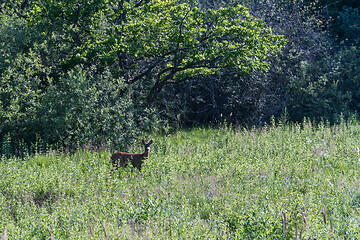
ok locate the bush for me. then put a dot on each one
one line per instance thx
(82, 107)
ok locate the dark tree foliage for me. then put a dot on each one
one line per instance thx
(255, 97)
(311, 77)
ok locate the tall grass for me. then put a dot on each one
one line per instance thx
(279, 182)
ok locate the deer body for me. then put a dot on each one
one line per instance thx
(121, 159)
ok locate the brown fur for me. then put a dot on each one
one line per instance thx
(121, 159)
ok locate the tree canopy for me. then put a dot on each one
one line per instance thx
(165, 41)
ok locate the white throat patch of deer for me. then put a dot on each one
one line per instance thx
(121, 159)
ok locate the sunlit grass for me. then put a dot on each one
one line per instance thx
(272, 183)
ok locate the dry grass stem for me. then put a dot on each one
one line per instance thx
(90, 230)
(51, 236)
(102, 224)
(284, 223)
(4, 235)
(324, 216)
(305, 221)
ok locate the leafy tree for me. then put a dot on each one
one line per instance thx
(169, 41)
(304, 77)
(347, 25)
(338, 16)
(256, 97)
(51, 89)
(163, 41)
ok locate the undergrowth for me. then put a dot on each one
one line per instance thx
(294, 181)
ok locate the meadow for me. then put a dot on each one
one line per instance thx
(291, 181)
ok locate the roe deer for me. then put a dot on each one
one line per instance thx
(121, 159)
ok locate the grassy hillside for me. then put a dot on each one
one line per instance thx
(282, 182)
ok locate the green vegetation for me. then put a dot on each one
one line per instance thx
(89, 71)
(74, 71)
(78, 74)
(277, 182)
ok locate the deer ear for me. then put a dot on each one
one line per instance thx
(150, 142)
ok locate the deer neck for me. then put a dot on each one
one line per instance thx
(146, 154)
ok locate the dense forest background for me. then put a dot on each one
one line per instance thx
(76, 72)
